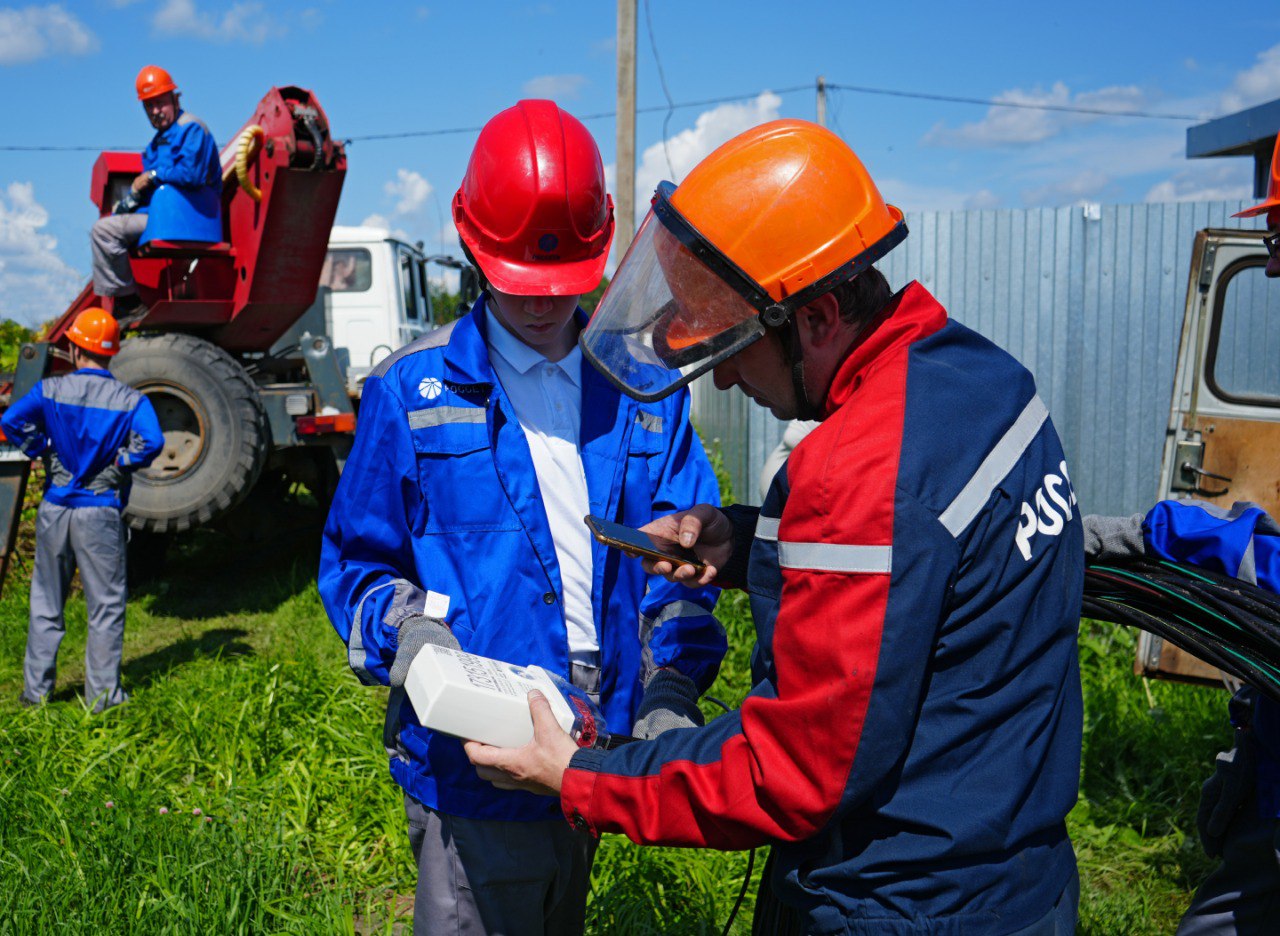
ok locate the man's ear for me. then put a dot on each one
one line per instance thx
(819, 321)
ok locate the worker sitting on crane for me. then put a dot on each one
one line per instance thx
(182, 155)
(92, 432)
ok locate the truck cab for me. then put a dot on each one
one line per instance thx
(1223, 439)
(378, 299)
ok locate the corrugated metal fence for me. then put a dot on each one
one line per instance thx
(1091, 304)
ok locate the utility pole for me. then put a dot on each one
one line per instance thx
(626, 156)
(822, 101)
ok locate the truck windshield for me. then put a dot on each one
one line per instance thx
(1245, 349)
(347, 269)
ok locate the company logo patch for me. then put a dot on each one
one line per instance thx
(430, 388)
(1051, 512)
(548, 243)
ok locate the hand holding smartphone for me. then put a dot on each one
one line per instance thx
(639, 543)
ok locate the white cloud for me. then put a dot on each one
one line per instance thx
(1084, 186)
(911, 197)
(604, 47)
(242, 22)
(411, 189)
(35, 282)
(688, 147)
(1219, 180)
(555, 87)
(383, 223)
(1260, 82)
(983, 198)
(1012, 126)
(35, 32)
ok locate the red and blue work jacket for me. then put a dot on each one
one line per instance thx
(439, 507)
(911, 746)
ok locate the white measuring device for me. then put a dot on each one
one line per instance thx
(480, 699)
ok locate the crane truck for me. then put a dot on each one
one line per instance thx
(237, 350)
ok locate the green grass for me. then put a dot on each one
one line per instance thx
(243, 708)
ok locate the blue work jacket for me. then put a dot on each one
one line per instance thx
(1243, 542)
(440, 496)
(187, 204)
(91, 429)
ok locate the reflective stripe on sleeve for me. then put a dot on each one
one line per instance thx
(767, 528)
(995, 467)
(440, 415)
(835, 557)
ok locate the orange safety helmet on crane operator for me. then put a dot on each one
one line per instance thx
(153, 81)
(532, 208)
(768, 222)
(1271, 205)
(96, 331)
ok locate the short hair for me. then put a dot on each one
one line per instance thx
(863, 296)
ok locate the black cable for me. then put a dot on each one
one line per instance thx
(662, 79)
(737, 904)
(751, 855)
(1226, 622)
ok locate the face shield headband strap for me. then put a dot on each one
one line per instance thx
(772, 314)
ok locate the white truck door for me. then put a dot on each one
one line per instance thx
(1223, 439)
(413, 316)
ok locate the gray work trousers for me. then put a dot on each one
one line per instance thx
(110, 240)
(485, 876)
(1242, 895)
(92, 538)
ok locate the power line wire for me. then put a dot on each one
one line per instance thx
(1026, 105)
(662, 79)
(728, 99)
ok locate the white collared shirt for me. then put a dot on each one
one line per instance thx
(547, 397)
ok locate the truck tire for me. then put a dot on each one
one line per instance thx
(216, 433)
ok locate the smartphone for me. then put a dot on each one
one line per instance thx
(642, 544)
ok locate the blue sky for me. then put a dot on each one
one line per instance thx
(67, 70)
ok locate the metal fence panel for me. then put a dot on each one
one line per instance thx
(1090, 300)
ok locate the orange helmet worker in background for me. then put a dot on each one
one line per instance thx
(182, 155)
(93, 432)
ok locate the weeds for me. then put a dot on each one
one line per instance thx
(244, 789)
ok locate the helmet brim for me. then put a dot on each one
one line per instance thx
(572, 278)
(1268, 205)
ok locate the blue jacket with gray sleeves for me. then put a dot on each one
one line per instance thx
(91, 429)
(440, 496)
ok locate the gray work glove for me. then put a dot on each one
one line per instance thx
(670, 701)
(415, 633)
(1113, 539)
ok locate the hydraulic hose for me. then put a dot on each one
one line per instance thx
(247, 148)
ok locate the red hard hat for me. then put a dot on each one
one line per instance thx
(532, 208)
(154, 81)
(97, 331)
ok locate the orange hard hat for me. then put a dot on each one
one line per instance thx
(154, 81)
(788, 202)
(767, 223)
(1272, 201)
(96, 331)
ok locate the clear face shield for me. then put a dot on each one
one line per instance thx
(669, 313)
(678, 306)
